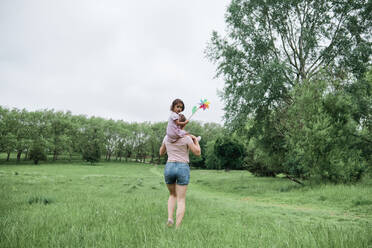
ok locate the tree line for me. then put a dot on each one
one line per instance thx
(58, 133)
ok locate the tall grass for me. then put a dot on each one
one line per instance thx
(124, 205)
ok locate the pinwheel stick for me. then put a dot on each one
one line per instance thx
(193, 112)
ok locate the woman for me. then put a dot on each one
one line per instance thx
(177, 172)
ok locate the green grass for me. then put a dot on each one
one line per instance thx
(125, 205)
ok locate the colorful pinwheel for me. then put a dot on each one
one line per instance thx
(203, 104)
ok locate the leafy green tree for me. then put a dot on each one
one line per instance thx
(130, 141)
(37, 151)
(8, 140)
(92, 140)
(212, 162)
(259, 161)
(322, 135)
(361, 97)
(157, 134)
(230, 152)
(92, 148)
(196, 128)
(123, 133)
(142, 136)
(58, 125)
(111, 137)
(71, 134)
(272, 47)
(20, 128)
(80, 124)
(209, 133)
(9, 143)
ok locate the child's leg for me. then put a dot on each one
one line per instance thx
(198, 138)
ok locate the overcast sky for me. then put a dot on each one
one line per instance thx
(118, 59)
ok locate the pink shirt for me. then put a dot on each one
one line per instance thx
(179, 150)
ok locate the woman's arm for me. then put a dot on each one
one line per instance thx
(162, 149)
(195, 147)
(181, 123)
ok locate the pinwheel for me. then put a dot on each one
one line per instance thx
(203, 104)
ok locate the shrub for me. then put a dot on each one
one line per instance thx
(39, 200)
(230, 152)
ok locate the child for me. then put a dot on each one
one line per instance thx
(174, 132)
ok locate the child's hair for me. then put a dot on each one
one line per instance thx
(175, 102)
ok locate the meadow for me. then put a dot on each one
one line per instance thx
(125, 205)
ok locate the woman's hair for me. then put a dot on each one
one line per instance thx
(182, 119)
(175, 102)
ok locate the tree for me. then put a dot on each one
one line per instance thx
(58, 125)
(111, 137)
(8, 140)
(123, 133)
(322, 137)
(93, 140)
(211, 160)
(156, 138)
(21, 130)
(37, 151)
(273, 45)
(142, 136)
(81, 125)
(92, 149)
(230, 152)
(196, 128)
(129, 141)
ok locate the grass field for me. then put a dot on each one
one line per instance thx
(125, 205)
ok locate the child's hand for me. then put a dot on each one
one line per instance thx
(187, 121)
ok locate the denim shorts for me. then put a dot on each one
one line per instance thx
(177, 172)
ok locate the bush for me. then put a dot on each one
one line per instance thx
(230, 152)
(39, 200)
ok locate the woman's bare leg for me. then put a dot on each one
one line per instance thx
(181, 203)
(172, 200)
